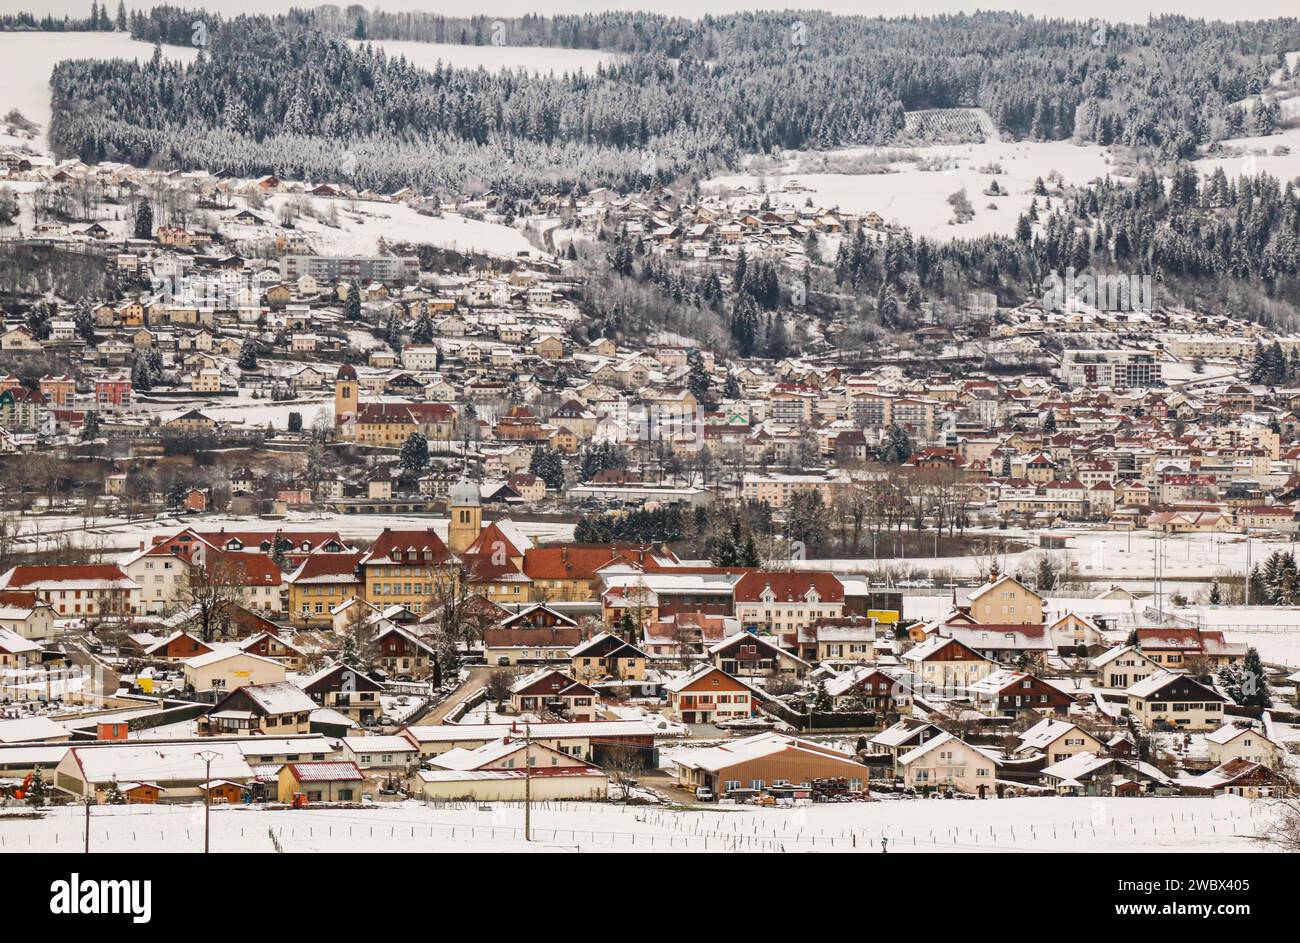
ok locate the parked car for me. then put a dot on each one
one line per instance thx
(703, 794)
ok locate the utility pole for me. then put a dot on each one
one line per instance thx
(528, 782)
(1247, 566)
(88, 801)
(207, 756)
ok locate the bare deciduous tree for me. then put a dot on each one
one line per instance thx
(212, 593)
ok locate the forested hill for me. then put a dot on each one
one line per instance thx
(291, 95)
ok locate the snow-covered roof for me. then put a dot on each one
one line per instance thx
(912, 756)
(161, 763)
(1069, 771)
(380, 744)
(1044, 733)
(26, 729)
(223, 653)
(451, 733)
(1230, 731)
(900, 732)
(762, 745)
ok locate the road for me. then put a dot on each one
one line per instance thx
(103, 679)
(477, 680)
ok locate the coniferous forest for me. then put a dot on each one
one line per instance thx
(292, 95)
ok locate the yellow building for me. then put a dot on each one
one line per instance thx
(324, 580)
(466, 515)
(1007, 601)
(406, 568)
(346, 396)
(1176, 699)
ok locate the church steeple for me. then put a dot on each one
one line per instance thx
(466, 515)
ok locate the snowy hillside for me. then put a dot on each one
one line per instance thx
(26, 60)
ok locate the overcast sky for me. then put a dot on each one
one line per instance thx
(1132, 10)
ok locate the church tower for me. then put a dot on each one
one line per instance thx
(466, 516)
(346, 401)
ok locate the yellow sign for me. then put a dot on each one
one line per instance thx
(887, 616)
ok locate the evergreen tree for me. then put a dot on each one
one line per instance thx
(248, 355)
(822, 703)
(699, 382)
(37, 791)
(39, 319)
(144, 220)
(1254, 681)
(350, 653)
(85, 321)
(352, 304)
(141, 377)
(547, 465)
(422, 332)
(896, 447)
(415, 453)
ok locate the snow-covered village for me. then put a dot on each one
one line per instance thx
(427, 432)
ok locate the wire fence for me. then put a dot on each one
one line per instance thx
(657, 829)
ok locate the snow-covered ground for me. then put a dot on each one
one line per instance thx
(26, 60)
(1275, 154)
(918, 199)
(540, 59)
(362, 224)
(916, 825)
(116, 537)
(1127, 558)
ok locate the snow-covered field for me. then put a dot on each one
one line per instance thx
(362, 224)
(115, 537)
(26, 60)
(1006, 825)
(1128, 558)
(540, 59)
(1256, 155)
(918, 199)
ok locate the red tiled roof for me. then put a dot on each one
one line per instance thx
(339, 565)
(425, 544)
(254, 569)
(574, 561)
(565, 637)
(22, 576)
(789, 586)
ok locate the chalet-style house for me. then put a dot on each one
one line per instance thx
(608, 656)
(708, 695)
(346, 690)
(275, 709)
(747, 655)
(553, 692)
(1171, 699)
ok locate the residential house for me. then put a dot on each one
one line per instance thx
(708, 695)
(1171, 699)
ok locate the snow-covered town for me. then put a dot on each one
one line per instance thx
(930, 488)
